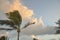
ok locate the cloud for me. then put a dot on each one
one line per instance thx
(41, 21)
(6, 6)
(25, 12)
(37, 21)
(32, 19)
(38, 30)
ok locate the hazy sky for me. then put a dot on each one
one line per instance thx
(48, 9)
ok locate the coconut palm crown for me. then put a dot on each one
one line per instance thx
(15, 17)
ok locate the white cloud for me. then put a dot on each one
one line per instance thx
(6, 6)
(37, 21)
(38, 30)
(41, 21)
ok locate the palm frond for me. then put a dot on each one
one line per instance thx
(7, 29)
(7, 22)
(28, 24)
(15, 17)
(58, 22)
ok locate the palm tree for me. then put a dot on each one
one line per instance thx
(58, 31)
(58, 22)
(14, 21)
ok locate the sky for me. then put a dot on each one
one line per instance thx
(43, 12)
(48, 9)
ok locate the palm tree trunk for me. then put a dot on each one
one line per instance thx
(18, 31)
(18, 35)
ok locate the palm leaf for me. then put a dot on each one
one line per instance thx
(8, 29)
(58, 22)
(7, 22)
(15, 17)
(28, 24)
